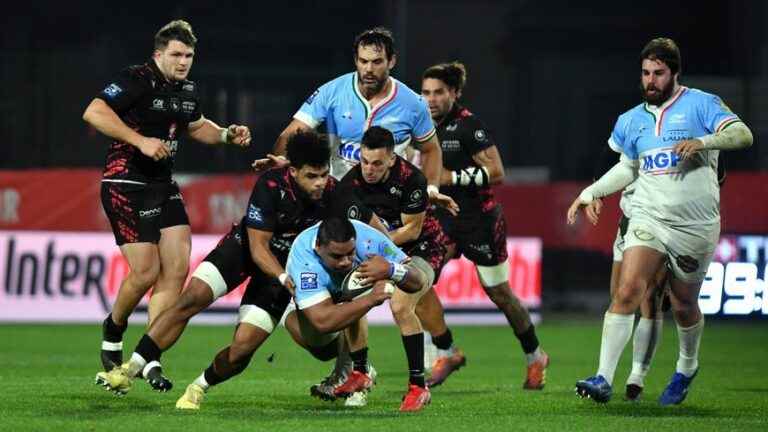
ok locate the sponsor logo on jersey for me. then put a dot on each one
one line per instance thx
(150, 213)
(643, 235)
(349, 151)
(677, 118)
(308, 281)
(158, 105)
(112, 90)
(175, 104)
(353, 212)
(480, 135)
(451, 145)
(188, 106)
(661, 161)
(254, 214)
(188, 87)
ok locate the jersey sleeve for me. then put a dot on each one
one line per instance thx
(715, 114)
(423, 127)
(314, 111)
(475, 136)
(262, 204)
(310, 280)
(619, 141)
(123, 91)
(414, 198)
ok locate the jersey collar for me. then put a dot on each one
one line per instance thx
(370, 111)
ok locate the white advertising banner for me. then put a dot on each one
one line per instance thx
(75, 277)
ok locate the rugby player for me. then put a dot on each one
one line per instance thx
(145, 109)
(396, 191)
(472, 163)
(283, 202)
(670, 145)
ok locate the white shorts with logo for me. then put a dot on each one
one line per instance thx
(696, 241)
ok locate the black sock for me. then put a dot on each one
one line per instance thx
(414, 350)
(360, 359)
(211, 377)
(148, 349)
(528, 340)
(444, 341)
(112, 332)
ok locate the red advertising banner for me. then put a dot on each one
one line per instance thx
(69, 200)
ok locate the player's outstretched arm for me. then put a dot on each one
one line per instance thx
(277, 159)
(328, 317)
(208, 132)
(99, 115)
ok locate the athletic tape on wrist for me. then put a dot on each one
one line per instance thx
(397, 272)
(225, 135)
(283, 278)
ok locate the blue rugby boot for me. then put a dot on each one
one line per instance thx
(677, 389)
(595, 388)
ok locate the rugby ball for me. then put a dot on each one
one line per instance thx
(352, 287)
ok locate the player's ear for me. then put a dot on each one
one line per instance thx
(294, 172)
(391, 63)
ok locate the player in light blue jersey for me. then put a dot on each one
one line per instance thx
(348, 106)
(670, 145)
(353, 102)
(320, 258)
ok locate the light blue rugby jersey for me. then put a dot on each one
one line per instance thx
(347, 115)
(313, 282)
(669, 189)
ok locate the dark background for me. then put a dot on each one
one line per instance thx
(548, 77)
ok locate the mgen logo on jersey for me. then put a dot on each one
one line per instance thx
(350, 151)
(660, 161)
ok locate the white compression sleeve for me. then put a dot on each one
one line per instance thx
(616, 179)
(734, 137)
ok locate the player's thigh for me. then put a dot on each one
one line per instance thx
(644, 254)
(174, 247)
(134, 211)
(691, 249)
(143, 260)
(264, 301)
(227, 265)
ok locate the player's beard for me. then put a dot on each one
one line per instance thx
(660, 96)
(371, 89)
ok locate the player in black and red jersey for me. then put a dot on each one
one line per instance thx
(145, 110)
(472, 164)
(284, 202)
(396, 191)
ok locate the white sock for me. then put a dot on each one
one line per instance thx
(202, 382)
(136, 364)
(689, 338)
(533, 356)
(644, 344)
(617, 329)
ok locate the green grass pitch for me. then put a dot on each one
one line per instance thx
(47, 371)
